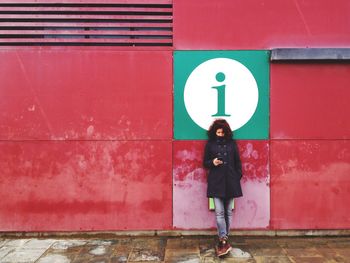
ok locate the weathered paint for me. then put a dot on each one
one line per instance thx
(59, 94)
(110, 185)
(189, 187)
(88, 97)
(310, 101)
(82, 138)
(310, 184)
(260, 24)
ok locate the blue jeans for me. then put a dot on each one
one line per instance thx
(223, 213)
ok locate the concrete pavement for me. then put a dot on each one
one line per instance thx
(190, 249)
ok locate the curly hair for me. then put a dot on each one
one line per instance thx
(220, 124)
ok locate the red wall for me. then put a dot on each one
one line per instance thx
(310, 146)
(309, 123)
(260, 24)
(86, 139)
(86, 133)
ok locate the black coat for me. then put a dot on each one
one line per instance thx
(224, 179)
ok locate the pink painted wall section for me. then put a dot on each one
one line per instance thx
(189, 187)
(71, 186)
(260, 24)
(310, 101)
(310, 184)
(59, 94)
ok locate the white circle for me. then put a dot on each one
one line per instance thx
(241, 93)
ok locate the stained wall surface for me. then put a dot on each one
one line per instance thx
(87, 134)
(82, 133)
(308, 153)
(189, 183)
(256, 24)
(310, 165)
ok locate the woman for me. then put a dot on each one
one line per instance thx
(221, 157)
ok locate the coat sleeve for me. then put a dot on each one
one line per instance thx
(238, 164)
(207, 160)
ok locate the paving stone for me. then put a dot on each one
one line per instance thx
(236, 260)
(309, 259)
(206, 245)
(16, 242)
(210, 260)
(304, 252)
(3, 242)
(288, 242)
(98, 251)
(177, 243)
(145, 255)
(122, 249)
(318, 240)
(119, 259)
(245, 248)
(339, 243)
(89, 253)
(301, 243)
(208, 253)
(150, 241)
(263, 259)
(329, 253)
(126, 241)
(237, 240)
(66, 244)
(5, 250)
(54, 258)
(189, 255)
(148, 250)
(121, 253)
(39, 243)
(98, 242)
(263, 243)
(69, 256)
(23, 256)
(94, 253)
(175, 249)
(92, 260)
(268, 252)
(239, 253)
(270, 244)
(343, 252)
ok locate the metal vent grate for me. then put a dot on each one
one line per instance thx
(75, 23)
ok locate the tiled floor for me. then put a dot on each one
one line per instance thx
(175, 249)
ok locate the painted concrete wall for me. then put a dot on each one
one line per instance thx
(310, 154)
(87, 133)
(260, 24)
(307, 185)
(86, 140)
(251, 211)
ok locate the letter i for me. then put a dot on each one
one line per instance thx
(220, 77)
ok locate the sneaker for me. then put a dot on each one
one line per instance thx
(223, 247)
(226, 239)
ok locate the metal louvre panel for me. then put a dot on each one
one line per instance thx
(115, 23)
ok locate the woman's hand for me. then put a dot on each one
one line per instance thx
(217, 162)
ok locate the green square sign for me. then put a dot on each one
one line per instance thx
(233, 85)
